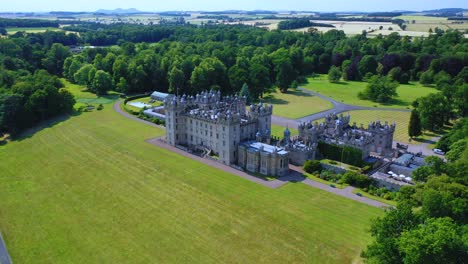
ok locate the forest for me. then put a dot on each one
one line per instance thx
(134, 59)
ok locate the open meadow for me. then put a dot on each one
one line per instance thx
(89, 189)
(347, 92)
(295, 103)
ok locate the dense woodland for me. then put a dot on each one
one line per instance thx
(189, 59)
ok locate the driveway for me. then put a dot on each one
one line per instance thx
(337, 108)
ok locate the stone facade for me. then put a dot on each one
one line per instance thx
(377, 138)
(223, 126)
(219, 125)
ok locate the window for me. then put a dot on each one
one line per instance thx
(191, 138)
(224, 129)
(217, 136)
(224, 143)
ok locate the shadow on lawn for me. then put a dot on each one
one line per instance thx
(271, 99)
(28, 133)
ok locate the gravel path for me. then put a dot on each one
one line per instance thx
(337, 108)
(4, 257)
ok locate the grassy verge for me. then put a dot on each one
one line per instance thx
(380, 199)
(317, 179)
(278, 131)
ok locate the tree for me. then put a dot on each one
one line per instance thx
(438, 240)
(414, 128)
(67, 100)
(434, 111)
(55, 58)
(3, 31)
(334, 74)
(176, 80)
(81, 76)
(458, 150)
(386, 231)
(426, 78)
(122, 85)
(259, 79)
(380, 89)
(368, 64)
(286, 75)
(245, 92)
(312, 166)
(102, 82)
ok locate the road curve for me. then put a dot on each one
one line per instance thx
(337, 108)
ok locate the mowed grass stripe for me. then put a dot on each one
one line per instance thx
(91, 190)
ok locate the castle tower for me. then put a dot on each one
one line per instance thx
(175, 122)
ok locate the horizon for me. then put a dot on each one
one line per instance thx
(22, 6)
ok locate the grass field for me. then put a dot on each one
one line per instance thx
(295, 103)
(278, 131)
(13, 30)
(83, 97)
(88, 189)
(401, 119)
(347, 92)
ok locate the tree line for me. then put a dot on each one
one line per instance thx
(429, 224)
(188, 59)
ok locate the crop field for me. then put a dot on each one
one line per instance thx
(88, 189)
(14, 30)
(353, 27)
(346, 92)
(424, 23)
(295, 104)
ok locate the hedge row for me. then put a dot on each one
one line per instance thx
(344, 154)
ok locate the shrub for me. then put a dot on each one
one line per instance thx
(356, 179)
(100, 107)
(312, 166)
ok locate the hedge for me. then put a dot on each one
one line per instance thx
(344, 154)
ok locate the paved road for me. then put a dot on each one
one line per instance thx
(4, 257)
(337, 108)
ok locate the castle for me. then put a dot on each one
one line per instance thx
(223, 127)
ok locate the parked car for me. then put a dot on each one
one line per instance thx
(332, 185)
(359, 194)
(438, 151)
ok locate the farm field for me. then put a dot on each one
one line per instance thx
(401, 119)
(88, 189)
(424, 23)
(13, 30)
(346, 92)
(352, 27)
(295, 104)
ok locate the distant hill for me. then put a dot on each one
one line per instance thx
(119, 11)
(445, 10)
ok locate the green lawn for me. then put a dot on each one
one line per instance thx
(278, 131)
(295, 104)
(84, 97)
(346, 92)
(401, 119)
(90, 190)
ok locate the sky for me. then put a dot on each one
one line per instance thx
(210, 5)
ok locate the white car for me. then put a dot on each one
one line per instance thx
(438, 151)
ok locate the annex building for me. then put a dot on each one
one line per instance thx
(237, 135)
